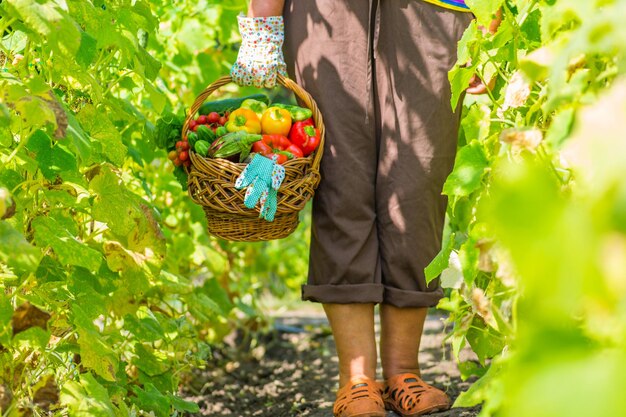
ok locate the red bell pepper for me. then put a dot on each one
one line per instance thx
(305, 135)
(277, 145)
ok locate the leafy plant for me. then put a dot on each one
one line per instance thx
(535, 248)
(110, 287)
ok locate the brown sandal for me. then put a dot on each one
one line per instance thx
(360, 398)
(409, 396)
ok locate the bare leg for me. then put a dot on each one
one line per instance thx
(353, 331)
(400, 336)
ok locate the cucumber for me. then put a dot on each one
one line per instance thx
(205, 133)
(229, 104)
(297, 113)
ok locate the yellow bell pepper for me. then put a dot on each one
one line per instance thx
(243, 119)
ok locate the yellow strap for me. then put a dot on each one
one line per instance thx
(448, 6)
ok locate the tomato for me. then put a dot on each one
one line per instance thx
(223, 120)
(276, 121)
(183, 156)
(213, 117)
(179, 144)
(177, 162)
(201, 120)
(172, 155)
(192, 124)
(187, 163)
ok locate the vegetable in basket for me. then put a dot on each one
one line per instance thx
(202, 147)
(276, 121)
(305, 135)
(243, 120)
(297, 113)
(235, 143)
(278, 145)
(229, 104)
(256, 106)
(205, 133)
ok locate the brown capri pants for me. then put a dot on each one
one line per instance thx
(378, 71)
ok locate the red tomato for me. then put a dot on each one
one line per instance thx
(222, 121)
(185, 146)
(179, 144)
(183, 156)
(192, 124)
(177, 162)
(201, 120)
(213, 117)
(187, 163)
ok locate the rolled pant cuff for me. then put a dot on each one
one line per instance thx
(370, 293)
(343, 294)
(404, 298)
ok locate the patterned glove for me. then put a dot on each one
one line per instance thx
(260, 57)
(263, 177)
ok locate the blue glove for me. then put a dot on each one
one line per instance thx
(263, 178)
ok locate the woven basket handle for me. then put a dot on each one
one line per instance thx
(304, 97)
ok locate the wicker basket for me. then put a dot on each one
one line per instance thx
(212, 183)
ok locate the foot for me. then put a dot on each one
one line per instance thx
(409, 396)
(360, 397)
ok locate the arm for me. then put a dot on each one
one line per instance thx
(264, 8)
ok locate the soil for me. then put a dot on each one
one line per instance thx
(292, 371)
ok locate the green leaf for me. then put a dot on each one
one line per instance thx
(459, 78)
(148, 362)
(70, 251)
(560, 128)
(16, 252)
(52, 159)
(151, 399)
(469, 168)
(95, 353)
(32, 338)
(440, 262)
(486, 388)
(144, 325)
(485, 341)
(87, 50)
(87, 398)
(484, 10)
(182, 405)
(103, 133)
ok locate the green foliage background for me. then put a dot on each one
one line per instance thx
(111, 288)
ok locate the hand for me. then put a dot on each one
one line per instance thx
(260, 57)
(263, 177)
(476, 85)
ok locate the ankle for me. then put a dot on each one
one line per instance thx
(346, 378)
(390, 371)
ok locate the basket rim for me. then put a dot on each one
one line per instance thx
(286, 82)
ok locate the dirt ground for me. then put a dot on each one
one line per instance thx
(293, 372)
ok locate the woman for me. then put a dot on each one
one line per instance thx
(378, 71)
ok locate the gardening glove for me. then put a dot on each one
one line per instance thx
(263, 177)
(260, 56)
